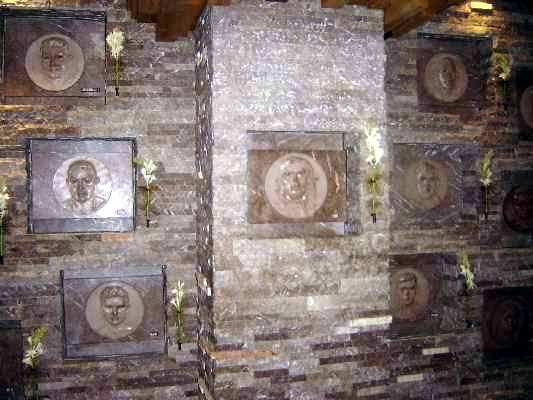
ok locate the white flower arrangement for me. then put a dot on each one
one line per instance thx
(466, 271)
(503, 71)
(115, 41)
(176, 300)
(375, 154)
(32, 354)
(148, 168)
(485, 177)
(4, 198)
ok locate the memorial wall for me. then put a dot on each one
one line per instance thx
(349, 216)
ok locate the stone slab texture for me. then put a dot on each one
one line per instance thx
(156, 106)
(298, 316)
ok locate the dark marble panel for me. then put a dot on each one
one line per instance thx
(451, 73)
(11, 352)
(118, 314)
(517, 209)
(508, 323)
(80, 185)
(429, 186)
(53, 57)
(419, 286)
(296, 186)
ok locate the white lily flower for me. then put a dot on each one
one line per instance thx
(115, 40)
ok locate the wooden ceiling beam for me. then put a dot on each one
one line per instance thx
(177, 18)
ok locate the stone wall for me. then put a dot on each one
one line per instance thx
(452, 365)
(296, 315)
(155, 106)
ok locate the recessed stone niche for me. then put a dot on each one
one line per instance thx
(429, 185)
(301, 183)
(451, 73)
(507, 323)
(113, 313)
(517, 209)
(420, 285)
(11, 351)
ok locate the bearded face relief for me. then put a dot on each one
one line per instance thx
(54, 62)
(296, 186)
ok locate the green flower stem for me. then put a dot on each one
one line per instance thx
(486, 201)
(147, 204)
(2, 237)
(374, 191)
(179, 329)
(34, 384)
(117, 73)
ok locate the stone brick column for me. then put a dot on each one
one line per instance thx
(283, 314)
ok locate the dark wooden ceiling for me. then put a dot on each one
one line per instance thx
(175, 18)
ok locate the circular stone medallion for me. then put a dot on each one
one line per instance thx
(102, 190)
(518, 209)
(445, 77)
(99, 314)
(526, 106)
(54, 62)
(296, 186)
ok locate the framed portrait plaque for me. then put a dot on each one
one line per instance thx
(80, 185)
(114, 313)
(52, 54)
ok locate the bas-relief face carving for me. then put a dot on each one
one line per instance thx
(55, 57)
(54, 62)
(426, 183)
(296, 186)
(518, 209)
(115, 303)
(410, 295)
(445, 77)
(508, 321)
(82, 186)
(114, 310)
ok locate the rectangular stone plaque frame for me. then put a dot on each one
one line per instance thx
(51, 205)
(337, 154)
(24, 81)
(455, 187)
(474, 52)
(506, 324)
(509, 236)
(11, 352)
(87, 334)
(434, 286)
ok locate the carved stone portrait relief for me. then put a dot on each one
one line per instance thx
(426, 183)
(410, 295)
(79, 185)
(526, 106)
(54, 62)
(445, 77)
(82, 185)
(114, 310)
(506, 322)
(518, 209)
(296, 186)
